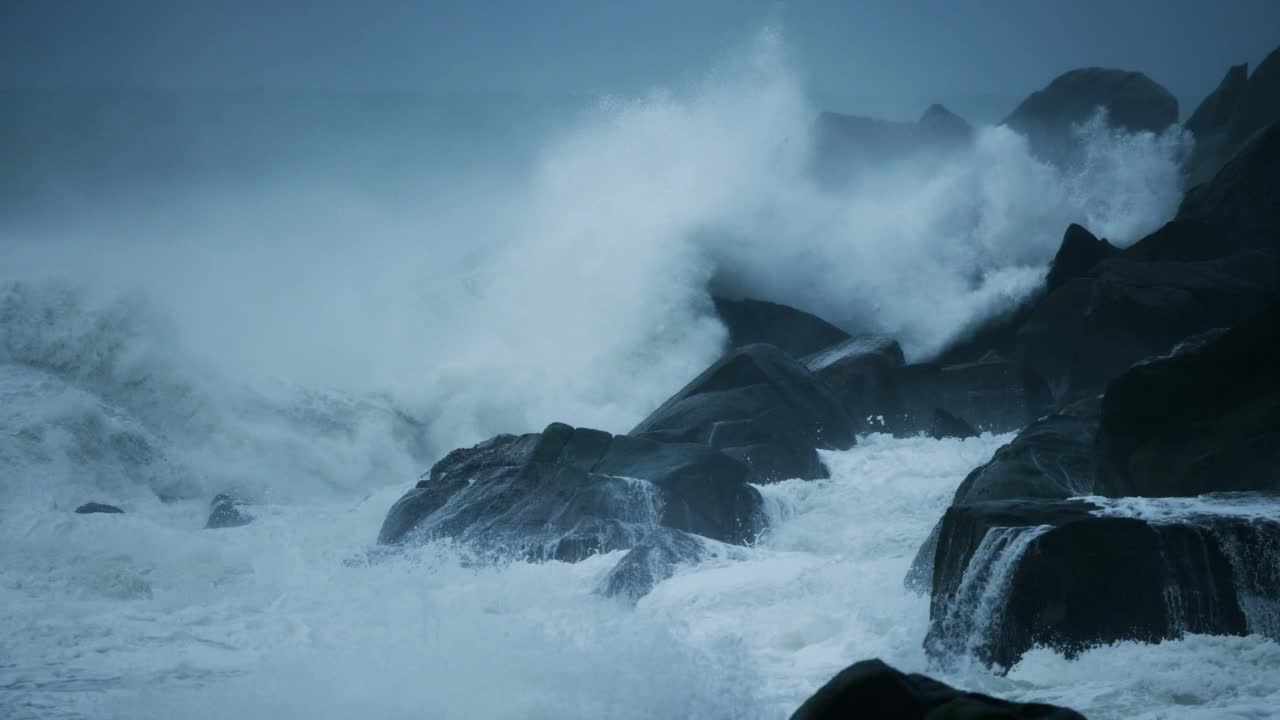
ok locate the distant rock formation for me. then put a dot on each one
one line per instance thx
(845, 145)
(1132, 101)
(96, 507)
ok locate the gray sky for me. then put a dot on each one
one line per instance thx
(892, 51)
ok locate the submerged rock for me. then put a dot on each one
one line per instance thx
(96, 507)
(760, 406)
(225, 512)
(872, 689)
(567, 493)
(653, 560)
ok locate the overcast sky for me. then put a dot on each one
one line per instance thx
(899, 50)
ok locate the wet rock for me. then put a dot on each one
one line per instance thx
(96, 507)
(794, 332)
(1132, 101)
(1242, 201)
(760, 406)
(856, 371)
(1211, 125)
(225, 512)
(1201, 421)
(1012, 575)
(990, 395)
(654, 559)
(872, 689)
(567, 493)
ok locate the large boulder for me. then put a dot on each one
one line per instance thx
(794, 332)
(226, 511)
(857, 372)
(1132, 101)
(760, 406)
(872, 689)
(1201, 421)
(567, 493)
(1011, 575)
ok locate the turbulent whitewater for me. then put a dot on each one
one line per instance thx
(313, 335)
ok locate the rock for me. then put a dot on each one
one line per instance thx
(871, 689)
(1070, 575)
(653, 560)
(760, 406)
(1259, 105)
(1133, 102)
(1051, 459)
(1234, 112)
(1242, 201)
(943, 126)
(1091, 329)
(1217, 111)
(990, 395)
(845, 145)
(856, 370)
(1079, 253)
(95, 507)
(946, 425)
(1205, 420)
(225, 512)
(794, 332)
(567, 493)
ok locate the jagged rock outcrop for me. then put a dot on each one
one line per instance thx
(760, 406)
(1202, 421)
(1079, 253)
(1132, 101)
(567, 493)
(794, 332)
(872, 689)
(1234, 112)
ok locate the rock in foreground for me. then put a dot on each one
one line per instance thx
(94, 508)
(872, 690)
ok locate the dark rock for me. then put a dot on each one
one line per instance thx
(1091, 329)
(946, 425)
(1133, 102)
(95, 507)
(1234, 112)
(568, 493)
(990, 395)
(794, 332)
(760, 406)
(871, 689)
(1259, 105)
(225, 512)
(1204, 420)
(1242, 201)
(1012, 575)
(1079, 253)
(857, 370)
(653, 560)
(1217, 111)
